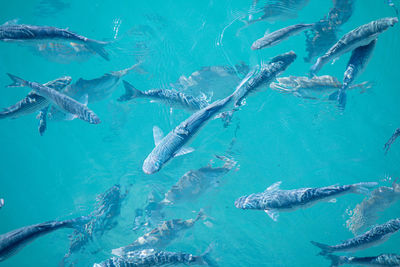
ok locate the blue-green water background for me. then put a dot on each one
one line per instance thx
(281, 137)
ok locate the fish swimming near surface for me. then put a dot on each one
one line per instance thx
(365, 214)
(173, 144)
(1, 202)
(63, 53)
(276, 37)
(391, 140)
(377, 235)
(153, 257)
(62, 101)
(12, 242)
(10, 32)
(159, 237)
(274, 200)
(357, 63)
(360, 36)
(318, 87)
(34, 102)
(384, 260)
(172, 98)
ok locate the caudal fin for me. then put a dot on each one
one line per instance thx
(205, 258)
(130, 92)
(326, 249)
(363, 188)
(336, 260)
(17, 82)
(98, 47)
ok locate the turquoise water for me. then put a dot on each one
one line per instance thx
(278, 137)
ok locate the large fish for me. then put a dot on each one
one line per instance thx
(360, 36)
(64, 102)
(274, 38)
(377, 235)
(274, 200)
(391, 140)
(34, 102)
(172, 144)
(152, 257)
(159, 237)
(23, 33)
(172, 98)
(12, 242)
(382, 260)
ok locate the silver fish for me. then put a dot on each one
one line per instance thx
(276, 37)
(1, 202)
(391, 140)
(172, 145)
(62, 101)
(274, 200)
(34, 102)
(360, 36)
(170, 97)
(384, 260)
(377, 235)
(12, 242)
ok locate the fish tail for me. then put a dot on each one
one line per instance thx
(326, 249)
(336, 260)
(205, 259)
(17, 82)
(98, 47)
(130, 92)
(362, 188)
(316, 67)
(341, 98)
(78, 223)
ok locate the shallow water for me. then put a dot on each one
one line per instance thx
(277, 137)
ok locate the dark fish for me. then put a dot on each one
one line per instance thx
(377, 235)
(384, 260)
(274, 200)
(391, 140)
(34, 102)
(24, 33)
(12, 242)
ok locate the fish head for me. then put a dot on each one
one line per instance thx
(393, 21)
(151, 165)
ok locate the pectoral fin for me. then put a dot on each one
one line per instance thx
(334, 96)
(333, 200)
(183, 151)
(274, 186)
(158, 135)
(273, 214)
(70, 116)
(84, 99)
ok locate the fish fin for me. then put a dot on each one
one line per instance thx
(274, 186)
(362, 188)
(98, 47)
(333, 96)
(183, 151)
(70, 116)
(166, 202)
(17, 82)
(158, 135)
(130, 92)
(341, 98)
(204, 258)
(325, 248)
(273, 214)
(333, 200)
(11, 22)
(336, 260)
(118, 251)
(267, 32)
(84, 99)
(79, 223)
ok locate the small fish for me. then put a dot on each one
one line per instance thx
(159, 237)
(23, 33)
(170, 97)
(43, 120)
(62, 101)
(276, 37)
(1, 202)
(391, 140)
(377, 235)
(34, 102)
(384, 260)
(274, 200)
(360, 36)
(12, 242)
(152, 257)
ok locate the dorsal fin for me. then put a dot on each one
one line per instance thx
(274, 186)
(158, 135)
(11, 22)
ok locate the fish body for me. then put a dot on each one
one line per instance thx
(12, 242)
(63, 53)
(360, 36)
(61, 100)
(172, 98)
(274, 38)
(377, 235)
(274, 200)
(34, 102)
(391, 140)
(382, 260)
(24, 33)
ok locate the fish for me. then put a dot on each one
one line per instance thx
(61, 100)
(360, 36)
(173, 144)
(377, 235)
(11, 32)
(357, 63)
(365, 214)
(170, 97)
(323, 87)
(385, 260)
(195, 182)
(160, 236)
(153, 257)
(34, 102)
(63, 53)
(102, 219)
(274, 200)
(14, 241)
(1, 202)
(276, 37)
(42, 126)
(391, 140)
